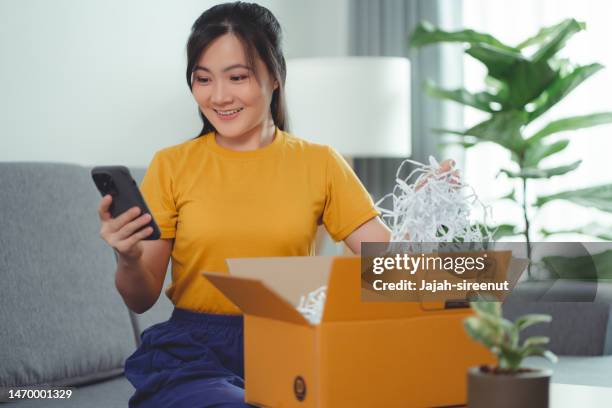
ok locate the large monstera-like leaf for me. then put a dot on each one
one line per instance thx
(523, 82)
(552, 39)
(503, 128)
(525, 78)
(599, 197)
(539, 173)
(571, 123)
(426, 34)
(561, 87)
(593, 229)
(560, 32)
(535, 152)
(483, 101)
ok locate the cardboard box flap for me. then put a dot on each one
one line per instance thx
(290, 277)
(255, 298)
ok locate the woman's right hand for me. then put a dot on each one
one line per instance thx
(124, 233)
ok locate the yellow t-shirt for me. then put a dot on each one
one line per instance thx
(218, 203)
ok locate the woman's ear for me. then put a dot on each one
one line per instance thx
(275, 86)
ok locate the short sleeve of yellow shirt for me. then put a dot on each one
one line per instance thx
(218, 203)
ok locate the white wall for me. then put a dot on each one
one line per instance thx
(314, 28)
(103, 82)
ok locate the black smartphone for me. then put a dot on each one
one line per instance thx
(119, 183)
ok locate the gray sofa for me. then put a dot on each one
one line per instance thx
(63, 322)
(580, 331)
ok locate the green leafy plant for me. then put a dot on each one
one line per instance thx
(518, 89)
(502, 336)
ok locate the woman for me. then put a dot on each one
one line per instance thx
(243, 188)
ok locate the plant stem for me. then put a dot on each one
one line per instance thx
(526, 232)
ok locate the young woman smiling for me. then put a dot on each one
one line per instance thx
(245, 187)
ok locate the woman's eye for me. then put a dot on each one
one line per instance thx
(238, 77)
(202, 80)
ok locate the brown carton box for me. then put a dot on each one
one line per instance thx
(362, 354)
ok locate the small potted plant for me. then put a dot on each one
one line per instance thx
(507, 385)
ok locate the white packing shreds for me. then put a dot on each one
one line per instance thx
(432, 206)
(311, 305)
(428, 206)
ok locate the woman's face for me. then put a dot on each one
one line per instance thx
(227, 91)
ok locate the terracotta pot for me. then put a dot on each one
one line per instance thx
(524, 390)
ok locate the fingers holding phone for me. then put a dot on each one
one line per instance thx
(124, 215)
(125, 232)
(117, 182)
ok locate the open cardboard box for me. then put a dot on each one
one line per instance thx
(362, 354)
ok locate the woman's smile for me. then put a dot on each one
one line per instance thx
(228, 114)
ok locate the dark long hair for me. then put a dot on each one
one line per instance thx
(260, 34)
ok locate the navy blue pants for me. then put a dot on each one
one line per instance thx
(193, 360)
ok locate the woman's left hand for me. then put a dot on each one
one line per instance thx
(446, 166)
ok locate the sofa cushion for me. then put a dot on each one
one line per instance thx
(576, 329)
(581, 314)
(63, 321)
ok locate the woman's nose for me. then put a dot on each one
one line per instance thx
(220, 94)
